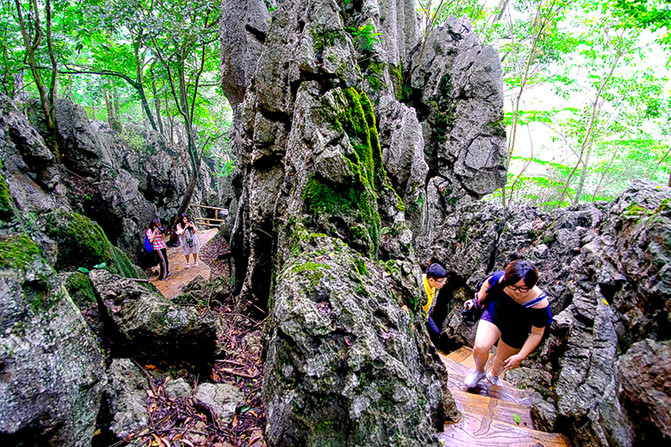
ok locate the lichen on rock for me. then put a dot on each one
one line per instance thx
(346, 361)
(52, 366)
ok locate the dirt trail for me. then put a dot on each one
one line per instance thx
(180, 275)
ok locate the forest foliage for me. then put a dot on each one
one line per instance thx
(125, 61)
(158, 62)
(587, 93)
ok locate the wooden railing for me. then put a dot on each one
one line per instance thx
(216, 221)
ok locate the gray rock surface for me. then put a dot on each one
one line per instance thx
(604, 267)
(243, 29)
(220, 400)
(126, 398)
(457, 87)
(178, 389)
(83, 150)
(28, 166)
(644, 375)
(151, 326)
(52, 367)
(347, 362)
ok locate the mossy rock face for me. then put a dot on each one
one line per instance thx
(18, 251)
(80, 289)
(6, 201)
(346, 207)
(52, 366)
(82, 243)
(347, 363)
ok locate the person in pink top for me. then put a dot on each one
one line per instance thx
(155, 236)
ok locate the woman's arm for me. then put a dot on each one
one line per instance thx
(480, 295)
(150, 235)
(533, 340)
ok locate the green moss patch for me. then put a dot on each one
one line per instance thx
(635, 212)
(82, 243)
(353, 203)
(80, 289)
(17, 250)
(6, 201)
(374, 139)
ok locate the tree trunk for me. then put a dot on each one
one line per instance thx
(112, 117)
(583, 177)
(188, 195)
(117, 106)
(19, 93)
(157, 99)
(31, 48)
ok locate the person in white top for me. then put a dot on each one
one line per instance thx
(188, 239)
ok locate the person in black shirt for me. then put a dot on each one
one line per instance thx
(516, 314)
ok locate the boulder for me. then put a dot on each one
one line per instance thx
(220, 400)
(52, 369)
(644, 374)
(126, 399)
(178, 389)
(348, 359)
(150, 326)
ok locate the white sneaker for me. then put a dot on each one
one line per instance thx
(492, 379)
(188, 265)
(471, 380)
(195, 264)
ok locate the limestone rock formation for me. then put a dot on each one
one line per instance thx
(605, 268)
(348, 363)
(120, 181)
(150, 326)
(220, 400)
(52, 367)
(644, 374)
(325, 144)
(29, 168)
(126, 398)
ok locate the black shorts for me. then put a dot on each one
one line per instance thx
(513, 334)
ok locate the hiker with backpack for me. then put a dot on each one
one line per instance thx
(515, 312)
(188, 240)
(155, 235)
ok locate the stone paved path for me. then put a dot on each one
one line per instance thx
(181, 276)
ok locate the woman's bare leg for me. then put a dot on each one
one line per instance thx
(485, 337)
(503, 351)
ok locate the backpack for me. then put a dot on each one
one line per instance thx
(147, 244)
(473, 314)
